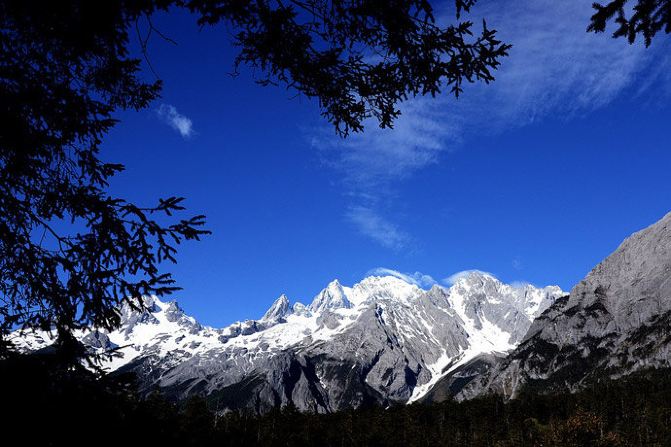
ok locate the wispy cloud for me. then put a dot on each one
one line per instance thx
(370, 161)
(450, 280)
(418, 278)
(555, 69)
(370, 224)
(425, 281)
(176, 120)
(555, 66)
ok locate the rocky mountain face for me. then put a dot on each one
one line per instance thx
(381, 341)
(615, 321)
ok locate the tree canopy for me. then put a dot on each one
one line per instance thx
(358, 58)
(70, 251)
(645, 18)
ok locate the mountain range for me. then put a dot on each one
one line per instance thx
(382, 341)
(386, 341)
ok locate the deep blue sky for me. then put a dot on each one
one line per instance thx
(534, 178)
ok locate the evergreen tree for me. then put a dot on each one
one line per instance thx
(645, 18)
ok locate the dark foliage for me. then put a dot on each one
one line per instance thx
(70, 251)
(645, 18)
(78, 408)
(358, 58)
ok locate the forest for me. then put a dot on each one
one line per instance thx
(50, 405)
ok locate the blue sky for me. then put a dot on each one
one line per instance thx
(534, 178)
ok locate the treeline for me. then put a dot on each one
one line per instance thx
(45, 405)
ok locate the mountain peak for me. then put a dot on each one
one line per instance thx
(172, 311)
(613, 323)
(471, 278)
(331, 298)
(630, 281)
(278, 310)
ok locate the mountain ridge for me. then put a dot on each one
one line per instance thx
(383, 340)
(614, 322)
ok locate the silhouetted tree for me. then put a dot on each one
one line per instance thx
(645, 18)
(359, 58)
(70, 252)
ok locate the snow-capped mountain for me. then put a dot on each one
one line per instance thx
(381, 341)
(615, 321)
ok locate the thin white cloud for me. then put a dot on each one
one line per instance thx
(555, 68)
(371, 224)
(450, 280)
(369, 162)
(176, 120)
(418, 278)
(425, 281)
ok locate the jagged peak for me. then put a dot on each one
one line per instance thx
(473, 288)
(475, 278)
(139, 310)
(332, 297)
(150, 303)
(174, 313)
(279, 309)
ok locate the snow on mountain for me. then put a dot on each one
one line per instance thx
(278, 310)
(331, 298)
(382, 340)
(495, 315)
